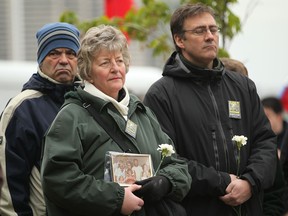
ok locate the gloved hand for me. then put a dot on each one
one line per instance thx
(153, 189)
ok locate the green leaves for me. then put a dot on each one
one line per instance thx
(149, 24)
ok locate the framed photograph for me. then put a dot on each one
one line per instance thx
(127, 168)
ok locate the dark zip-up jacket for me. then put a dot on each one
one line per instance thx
(23, 124)
(192, 106)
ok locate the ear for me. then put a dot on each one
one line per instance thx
(89, 78)
(179, 41)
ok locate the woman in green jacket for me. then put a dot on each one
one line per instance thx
(77, 146)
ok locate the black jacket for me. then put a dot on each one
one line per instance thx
(198, 108)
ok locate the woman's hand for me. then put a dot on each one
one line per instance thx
(131, 202)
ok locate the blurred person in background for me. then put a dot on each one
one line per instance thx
(202, 106)
(275, 113)
(234, 65)
(27, 116)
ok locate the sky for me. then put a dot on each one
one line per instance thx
(263, 43)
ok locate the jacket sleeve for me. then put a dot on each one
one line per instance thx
(261, 155)
(262, 158)
(65, 182)
(160, 105)
(174, 168)
(18, 156)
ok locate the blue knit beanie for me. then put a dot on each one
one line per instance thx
(56, 35)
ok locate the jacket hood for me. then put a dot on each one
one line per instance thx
(56, 91)
(177, 66)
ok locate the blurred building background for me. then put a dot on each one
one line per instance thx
(20, 19)
(265, 60)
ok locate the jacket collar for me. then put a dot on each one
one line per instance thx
(81, 96)
(178, 66)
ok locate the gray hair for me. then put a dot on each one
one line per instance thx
(96, 39)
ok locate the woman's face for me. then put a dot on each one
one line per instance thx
(108, 72)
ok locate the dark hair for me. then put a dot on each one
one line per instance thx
(273, 103)
(184, 12)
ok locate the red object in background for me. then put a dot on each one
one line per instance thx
(117, 7)
(284, 98)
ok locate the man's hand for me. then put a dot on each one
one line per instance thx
(238, 192)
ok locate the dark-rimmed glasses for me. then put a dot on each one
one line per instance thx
(202, 30)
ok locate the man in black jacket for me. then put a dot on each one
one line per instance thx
(204, 108)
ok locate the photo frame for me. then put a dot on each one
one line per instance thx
(126, 168)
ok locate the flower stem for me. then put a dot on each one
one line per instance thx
(238, 163)
(162, 158)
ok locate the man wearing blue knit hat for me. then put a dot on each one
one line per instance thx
(28, 115)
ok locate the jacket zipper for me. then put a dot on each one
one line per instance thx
(217, 163)
(220, 127)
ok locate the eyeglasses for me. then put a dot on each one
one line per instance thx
(202, 30)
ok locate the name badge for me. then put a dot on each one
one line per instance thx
(131, 128)
(234, 109)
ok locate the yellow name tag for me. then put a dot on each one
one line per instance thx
(234, 109)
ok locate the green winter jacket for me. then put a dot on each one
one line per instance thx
(73, 158)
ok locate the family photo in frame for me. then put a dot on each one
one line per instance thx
(128, 168)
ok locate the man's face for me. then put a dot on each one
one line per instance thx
(199, 45)
(61, 65)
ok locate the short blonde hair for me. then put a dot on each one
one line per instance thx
(234, 65)
(96, 39)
